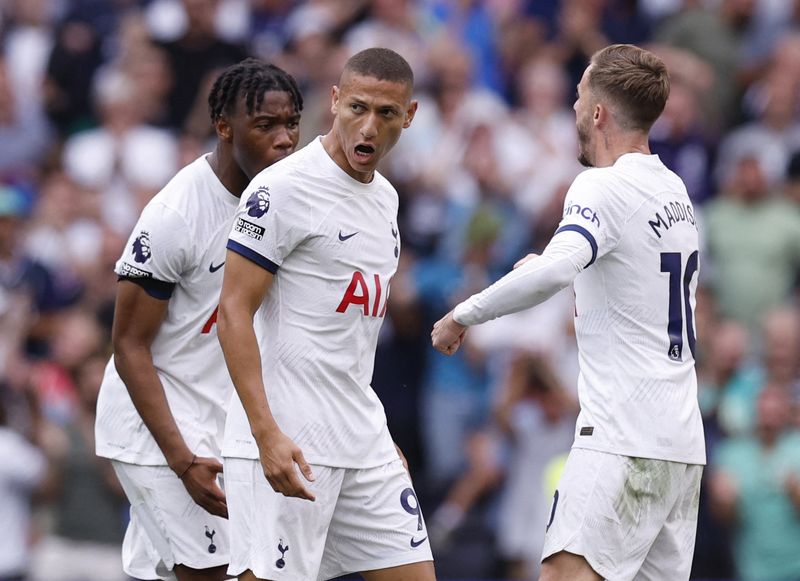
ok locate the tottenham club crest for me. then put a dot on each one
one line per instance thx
(141, 247)
(258, 202)
(281, 562)
(212, 548)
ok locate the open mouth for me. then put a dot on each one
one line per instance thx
(364, 152)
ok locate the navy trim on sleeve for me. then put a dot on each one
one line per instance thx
(253, 256)
(586, 234)
(158, 289)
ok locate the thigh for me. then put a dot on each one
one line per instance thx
(167, 527)
(276, 537)
(610, 509)
(670, 556)
(422, 571)
(564, 566)
(377, 524)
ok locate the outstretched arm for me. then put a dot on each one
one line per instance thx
(137, 319)
(532, 281)
(243, 289)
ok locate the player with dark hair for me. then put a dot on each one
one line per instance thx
(626, 506)
(161, 408)
(312, 250)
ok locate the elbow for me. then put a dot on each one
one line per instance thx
(225, 319)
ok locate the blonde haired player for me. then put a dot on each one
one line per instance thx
(626, 505)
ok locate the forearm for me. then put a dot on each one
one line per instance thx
(135, 366)
(530, 284)
(243, 358)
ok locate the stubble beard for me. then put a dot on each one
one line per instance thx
(583, 146)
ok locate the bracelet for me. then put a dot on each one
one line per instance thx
(185, 470)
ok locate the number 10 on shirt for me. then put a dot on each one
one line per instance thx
(679, 301)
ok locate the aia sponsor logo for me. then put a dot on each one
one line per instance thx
(366, 293)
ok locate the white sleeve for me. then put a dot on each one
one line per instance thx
(567, 254)
(160, 246)
(272, 220)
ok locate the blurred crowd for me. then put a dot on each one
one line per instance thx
(102, 101)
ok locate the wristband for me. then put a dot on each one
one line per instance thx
(185, 470)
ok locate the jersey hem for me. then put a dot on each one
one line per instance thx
(318, 461)
(650, 455)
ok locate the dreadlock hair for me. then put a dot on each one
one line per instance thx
(251, 78)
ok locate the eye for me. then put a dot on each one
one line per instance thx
(357, 107)
(293, 125)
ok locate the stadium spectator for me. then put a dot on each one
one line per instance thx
(762, 505)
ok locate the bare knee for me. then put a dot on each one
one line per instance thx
(564, 566)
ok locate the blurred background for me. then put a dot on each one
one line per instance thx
(102, 101)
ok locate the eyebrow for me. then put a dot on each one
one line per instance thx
(380, 106)
(272, 117)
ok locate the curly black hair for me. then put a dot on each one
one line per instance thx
(251, 78)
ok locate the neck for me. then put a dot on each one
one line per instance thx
(337, 154)
(229, 173)
(611, 146)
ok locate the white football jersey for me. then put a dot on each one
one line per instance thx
(333, 245)
(634, 308)
(180, 239)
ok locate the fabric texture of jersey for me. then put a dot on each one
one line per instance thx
(634, 305)
(180, 239)
(333, 245)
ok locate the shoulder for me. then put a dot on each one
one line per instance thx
(594, 183)
(384, 186)
(181, 202)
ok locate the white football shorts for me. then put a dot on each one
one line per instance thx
(630, 518)
(361, 520)
(167, 527)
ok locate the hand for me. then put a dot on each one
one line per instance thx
(525, 259)
(447, 334)
(200, 480)
(278, 457)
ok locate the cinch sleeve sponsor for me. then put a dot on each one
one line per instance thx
(588, 212)
(270, 222)
(159, 246)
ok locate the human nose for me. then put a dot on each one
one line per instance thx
(369, 129)
(284, 139)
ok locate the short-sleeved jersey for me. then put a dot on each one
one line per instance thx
(634, 307)
(332, 244)
(179, 240)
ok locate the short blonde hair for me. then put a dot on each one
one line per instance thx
(635, 82)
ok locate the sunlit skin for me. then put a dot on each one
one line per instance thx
(254, 142)
(369, 115)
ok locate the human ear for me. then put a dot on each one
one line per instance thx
(223, 129)
(410, 112)
(334, 99)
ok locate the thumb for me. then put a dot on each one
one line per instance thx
(304, 467)
(215, 465)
